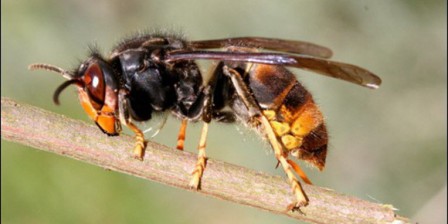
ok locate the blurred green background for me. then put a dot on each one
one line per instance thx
(387, 145)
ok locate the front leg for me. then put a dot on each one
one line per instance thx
(140, 144)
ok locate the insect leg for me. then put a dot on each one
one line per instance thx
(302, 199)
(299, 171)
(139, 148)
(202, 159)
(242, 91)
(200, 164)
(255, 113)
(181, 135)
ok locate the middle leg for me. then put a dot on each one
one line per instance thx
(181, 135)
(202, 159)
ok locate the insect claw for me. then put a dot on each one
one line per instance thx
(295, 207)
(278, 164)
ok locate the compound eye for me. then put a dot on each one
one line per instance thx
(95, 86)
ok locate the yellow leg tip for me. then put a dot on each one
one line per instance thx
(194, 183)
(138, 157)
(139, 152)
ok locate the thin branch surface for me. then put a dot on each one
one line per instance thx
(58, 134)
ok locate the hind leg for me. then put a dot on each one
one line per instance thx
(256, 115)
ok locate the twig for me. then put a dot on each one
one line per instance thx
(58, 134)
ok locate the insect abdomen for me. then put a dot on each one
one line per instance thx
(293, 115)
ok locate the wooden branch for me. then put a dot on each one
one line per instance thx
(55, 133)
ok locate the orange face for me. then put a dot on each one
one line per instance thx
(104, 118)
(99, 100)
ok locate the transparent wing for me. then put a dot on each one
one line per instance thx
(347, 72)
(290, 46)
